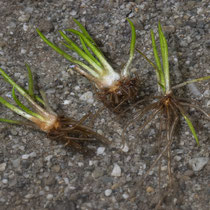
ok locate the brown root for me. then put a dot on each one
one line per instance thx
(123, 93)
(168, 108)
(72, 133)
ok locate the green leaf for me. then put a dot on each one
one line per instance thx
(159, 73)
(125, 71)
(84, 31)
(89, 53)
(191, 81)
(164, 53)
(191, 127)
(15, 109)
(30, 82)
(23, 107)
(66, 55)
(81, 53)
(11, 121)
(94, 49)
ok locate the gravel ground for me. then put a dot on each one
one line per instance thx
(36, 173)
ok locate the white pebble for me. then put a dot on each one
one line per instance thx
(80, 164)
(77, 88)
(24, 18)
(22, 51)
(90, 162)
(125, 195)
(33, 154)
(125, 148)
(4, 181)
(108, 192)
(100, 150)
(48, 158)
(116, 170)
(49, 197)
(197, 164)
(207, 93)
(3, 166)
(25, 27)
(66, 102)
(88, 97)
(177, 158)
(25, 157)
(73, 12)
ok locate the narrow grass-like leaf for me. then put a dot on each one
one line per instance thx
(84, 31)
(30, 82)
(66, 55)
(87, 35)
(89, 53)
(149, 61)
(81, 53)
(41, 101)
(67, 45)
(23, 107)
(125, 71)
(20, 89)
(191, 81)
(94, 49)
(164, 53)
(11, 121)
(191, 127)
(24, 93)
(15, 109)
(159, 73)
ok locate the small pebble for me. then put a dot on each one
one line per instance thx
(150, 189)
(88, 97)
(29, 196)
(116, 170)
(197, 164)
(125, 195)
(4, 181)
(194, 90)
(108, 192)
(56, 168)
(80, 164)
(125, 148)
(66, 102)
(25, 157)
(177, 158)
(16, 163)
(33, 154)
(48, 158)
(24, 18)
(98, 172)
(22, 51)
(100, 150)
(49, 197)
(25, 27)
(73, 12)
(3, 166)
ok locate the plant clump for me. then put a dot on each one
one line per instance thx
(60, 128)
(113, 88)
(167, 107)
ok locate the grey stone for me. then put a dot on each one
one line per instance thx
(197, 164)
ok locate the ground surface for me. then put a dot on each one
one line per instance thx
(36, 173)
